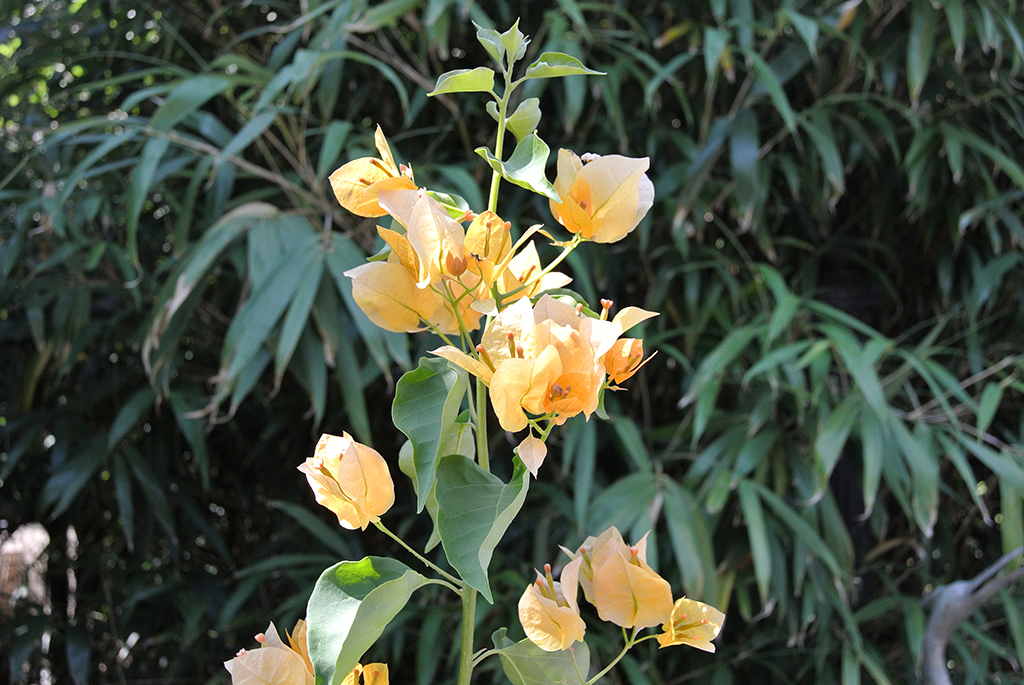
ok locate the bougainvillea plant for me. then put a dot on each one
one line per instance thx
(515, 342)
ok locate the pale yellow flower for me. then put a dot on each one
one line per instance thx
(372, 674)
(350, 479)
(548, 610)
(357, 184)
(624, 359)
(275, 663)
(617, 580)
(692, 623)
(544, 359)
(604, 198)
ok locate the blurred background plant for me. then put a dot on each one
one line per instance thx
(832, 426)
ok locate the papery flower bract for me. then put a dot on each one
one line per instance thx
(624, 359)
(431, 232)
(543, 359)
(373, 674)
(602, 199)
(548, 610)
(275, 662)
(618, 582)
(532, 451)
(692, 623)
(388, 295)
(350, 479)
(357, 184)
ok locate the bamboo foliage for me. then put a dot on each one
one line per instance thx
(832, 424)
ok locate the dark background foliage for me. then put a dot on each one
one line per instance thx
(831, 427)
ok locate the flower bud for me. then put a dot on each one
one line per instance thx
(350, 479)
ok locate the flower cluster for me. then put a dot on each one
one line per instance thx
(444, 276)
(624, 589)
(551, 361)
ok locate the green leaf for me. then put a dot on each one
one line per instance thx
(252, 325)
(757, 532)
(800, 527)
(475, 508)
(771, 83)
(351, 604)
(298, 315)
(526, 166)
(491, 40)
(832, 436)
(142, 179)
(252, 129)
(129, 414)
(691, 541)
(806, 27)
(186, 98)
(527, 664)
(514, 43)
(478, 80)
(553, 64)
(921, 44)
(524, 120)
(426, 407)
(987, 406)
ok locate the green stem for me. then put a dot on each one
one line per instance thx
(466, 657)
(468, 626)
(499, 143)
(381, 527)
(625, 648)
(483, 457)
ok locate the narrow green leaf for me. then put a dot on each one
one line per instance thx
(771, 83)
(800, 527)
(157, 502)
(1011, 506)
(833, 434)
(426, 407)
(248, 133)
(873, 441)
(250, 329)
(298, 315)
(125, 498)
(68, 480)
(921, 44)
(478, 80)
(186, 98)
(716, 42)
(823, 137)
(138, 190)
(632, 442)
(527, 664)
(351, 604)
(475, 508)
(328, 535)
(744, 144)
(690, 535)
(381, 15)
(757, 532)
(806, 27)
(129, 414)
(987, 406)
(957, 26)
(553, 64)
(1006, 163)
(718, 359)
(526, 166)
